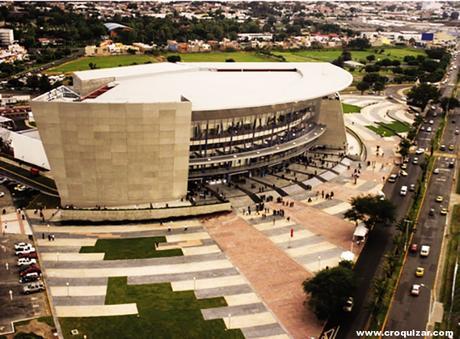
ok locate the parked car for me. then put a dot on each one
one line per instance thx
(403, 166)
(451, 147)
(3, 180)
(21, 245)
(29, 277)
(439, 198)
(424, 250)
(443, 211)
(414, 248)
(31, 255)
(412, 187)
(29, 269)
(442, 147)
(403, 173)
(34, 287)
(25, 250)
(26, 261)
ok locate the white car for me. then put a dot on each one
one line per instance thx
(436, 171)
(20, 188)
(3, 180)
(21, 245)
(419, 151)
(424, 250)
(26, 250)
(26, 261)
(415, 161)
(392, 178)
(415, 290)
(403, 173)
(403, 191)
(428, 129)
(348, 305)
(431, 122)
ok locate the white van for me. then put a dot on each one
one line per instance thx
(403, 190)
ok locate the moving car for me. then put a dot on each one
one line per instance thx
(431, 122)
(412, 187)
(439, 198)
(403, 173)
(419, 151)
(457, 132)
(20, 188)
(392, 178)
(428, 129)
(403, 191)
(443, 211)
(442, 147)
(415, 290)
(414, 248)
(419, 272)
(415, 161)
(348, 305)
(403, 166)
(34, 287)
(431, 212)
(451, 147)
(424, 250)
(436, 171)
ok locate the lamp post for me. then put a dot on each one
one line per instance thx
(68, 292)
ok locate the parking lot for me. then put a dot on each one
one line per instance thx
(15, 304)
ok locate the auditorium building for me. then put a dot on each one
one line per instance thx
(139, 134)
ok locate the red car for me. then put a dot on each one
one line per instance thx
(414, 248)
(31, 255)
(30, 269)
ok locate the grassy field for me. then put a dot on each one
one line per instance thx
(162, 314)
(347, 108)
(135, 248)
(382, 131)
(325, 55)
(397, 126)
(389, 129)
(82, 64)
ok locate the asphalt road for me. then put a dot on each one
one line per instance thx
(380, 239)
(430, 231)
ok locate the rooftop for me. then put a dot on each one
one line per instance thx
(213, 86)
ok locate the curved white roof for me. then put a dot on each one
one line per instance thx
(214, 86)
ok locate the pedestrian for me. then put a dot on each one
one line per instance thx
(43, 235)
(288, 219)
(327, 196)
(52, 237)
(332, 194)
(322, 194)
(49, 237)
(185, 229)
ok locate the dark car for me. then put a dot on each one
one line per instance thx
(414, 248)
(31, 255)
(29, 277)
(30, 269)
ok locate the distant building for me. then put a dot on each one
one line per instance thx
(6, 36)
(255, 36)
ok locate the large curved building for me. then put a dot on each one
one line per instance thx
(138, 134)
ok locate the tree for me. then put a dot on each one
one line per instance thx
(92, 65)
(173, 58)
(371, 210)
(404, 147)
(229, 60)
(359, 44)
(379, 86)
(330, 289)
(370, 57)
(362, 86)
(454, 16)
(44, 84)
(449, 103)
(421, 94)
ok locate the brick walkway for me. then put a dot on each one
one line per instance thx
(276, 278)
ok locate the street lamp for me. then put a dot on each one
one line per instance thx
(68, 293)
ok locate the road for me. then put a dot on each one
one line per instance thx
(430, 231)
(380, 239)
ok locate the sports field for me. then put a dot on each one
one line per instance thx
(324, 55)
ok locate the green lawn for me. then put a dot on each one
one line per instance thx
(382, 131)
(162, 314)
(398, 126)
(347, 108)
(222, 56)
(325, 55)
(82, 64)
(135, 248)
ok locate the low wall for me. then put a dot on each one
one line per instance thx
(142, 214)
